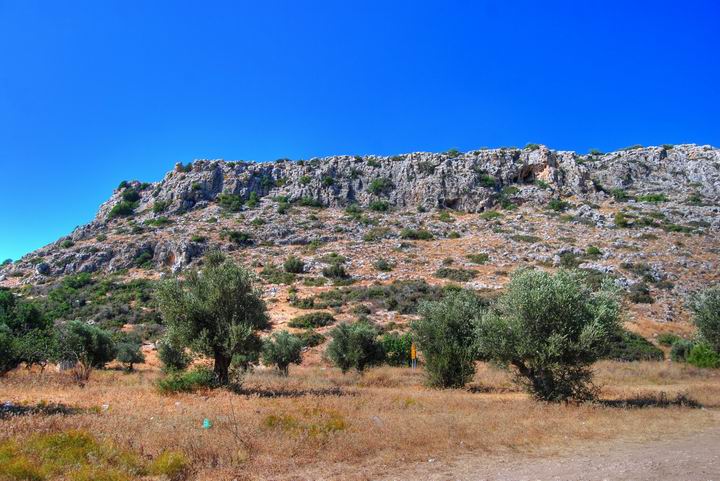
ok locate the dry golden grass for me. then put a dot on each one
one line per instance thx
(318, 423)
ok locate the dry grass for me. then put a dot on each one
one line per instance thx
(318, 423)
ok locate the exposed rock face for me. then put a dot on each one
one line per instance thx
(687, 175)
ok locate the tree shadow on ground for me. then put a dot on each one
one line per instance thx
(9, 409)
(652, 400)
(289, 393)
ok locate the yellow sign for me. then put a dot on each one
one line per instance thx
(413, 352)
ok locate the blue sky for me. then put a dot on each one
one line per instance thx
(94, 92)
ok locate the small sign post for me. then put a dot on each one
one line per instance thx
(413, 355)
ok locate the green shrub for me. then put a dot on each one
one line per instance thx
(236, 237)
(86, 344)
(294, 265)
(458, 275)
(281, 350)
(445, 337)
(122, 209)
(129, 353)
(200, 377)
(490, 215)
(355, 346)
(668, 339)
(558, 205)
(415, 234)
(253, 200)
(481, 258)
(550, 329)
(379, 205)
(530, 239)
(172, 357)
(309, 202)
(274, 275)
(130, 195)
(702, 355)
(310, 338)
(620, 195)
(335, 271)
(305, 179)
(66, 244)
(706, 315)
(680, 350)
(379, 186)
(624, 345)
(230, 202)
(654, 198)
(397, 348)
(621, 220)
(383, 265)
(160, 206)
(376, 233)
(172, 465)
(312, 320)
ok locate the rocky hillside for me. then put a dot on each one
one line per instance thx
(166, 225)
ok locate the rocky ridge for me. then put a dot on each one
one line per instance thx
(160, 225)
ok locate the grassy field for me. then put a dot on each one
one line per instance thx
(318, 423)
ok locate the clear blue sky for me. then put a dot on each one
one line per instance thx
(95, 92)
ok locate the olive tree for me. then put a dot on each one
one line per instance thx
(706, 309)
(445, 335)
(281, 350)
(129, 353)
(549, 329)
(86, 346)
(355, 346)
(216, 312)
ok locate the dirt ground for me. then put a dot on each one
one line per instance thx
(688, 458)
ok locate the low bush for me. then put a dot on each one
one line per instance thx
(478, 258)
(312, 320)
(668, 339)
(628, 346)
(173, 358)
(230, 202)
(355, 346)
(383, 265)
(274, 275)
(680, 350)
(122, 209)
(702, 355)
(335, 271)
(311, 338)
(379, 206)
(639, 293)
(380, 186)
(294, 265)
(397, 348)
(282, 349)
(415, 234)
(458, 275)
(200, 377)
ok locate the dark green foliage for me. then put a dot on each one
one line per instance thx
(453, 153)
(274, 275)
(415, 234)
(397, 348)
(530, 239)
(490, 215)
(130, 195)
(230, 202)
(624, 345)
(281, 350)
(620, 195)
(328, 181)
(478, 258)
(621, 220)
(294, 265)
(654, 198)
(310, 338)
(335, 271)
(550, 329)
(66, 244)
(8, 356)
(237, 237)
(704, 356)
(305, 179)
(144, 259)
(355, 346)
(558, 205)
(487, 180)
(253, 200)
(680, 350)
(174, 358)
(668, 339)
(706, 315)
(122, 209)
(198, 238)
(86, 344)
(383, 266)
(161, 221)
(458, 275)
(123, 185)
(379, 205)
(400, 296)
(354, 211)
(217, 312)
(129, 353)
(445, 337)
(309, 202)
(312, 320)
(380, 186)
(160, 206)
(532, 147)
(198, 378)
